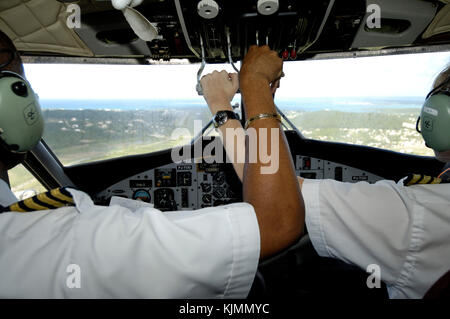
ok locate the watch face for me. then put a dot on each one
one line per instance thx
(221, 118)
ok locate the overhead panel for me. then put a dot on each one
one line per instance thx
(400, 23)
(40, 26)
(440, 24)
(223, 29)
(288, 26)
(107, 33)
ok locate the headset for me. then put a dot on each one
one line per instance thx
(434, 119)
(21, 120)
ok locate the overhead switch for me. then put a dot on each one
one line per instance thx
(208, 9)
(267, 7)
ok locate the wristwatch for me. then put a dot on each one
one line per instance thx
(222, 117)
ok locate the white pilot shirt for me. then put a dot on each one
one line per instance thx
(92, 251)
(6, 196)
(403, 230)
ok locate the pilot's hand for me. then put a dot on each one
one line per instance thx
(261, 63)
(219, 89)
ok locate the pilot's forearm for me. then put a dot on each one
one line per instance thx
(232, 135)
(276, 197)
(238, 147)
(235, 146)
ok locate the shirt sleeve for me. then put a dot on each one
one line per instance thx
(363, 224)
(208, 253)
(7, 197)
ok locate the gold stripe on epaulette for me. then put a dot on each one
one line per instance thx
(414, 180)
(436, 181)
(32, 205)
(16, 208)
(59, 195)
(45, 199)
(425, 179)
(417, 179)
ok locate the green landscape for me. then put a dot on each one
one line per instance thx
(392, 129)
(85, 135)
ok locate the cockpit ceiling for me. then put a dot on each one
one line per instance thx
(299, 29)
(39, 26)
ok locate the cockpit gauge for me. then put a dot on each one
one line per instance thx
(219, 192)
(165, 177)
(207, 199)
(142, 195)
(184, 179)
(206, 187)
(165, 199)
(219, 178)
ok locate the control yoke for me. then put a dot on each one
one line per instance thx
(203, 64)
(200, 71)
(230, 60)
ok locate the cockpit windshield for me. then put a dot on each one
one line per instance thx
(96, 112)
(371, 101)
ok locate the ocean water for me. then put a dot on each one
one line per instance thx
(351, 104)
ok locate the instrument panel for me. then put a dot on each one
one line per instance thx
(191, 186)
(314, 168)
(184, 186)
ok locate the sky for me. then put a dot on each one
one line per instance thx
(399, 75)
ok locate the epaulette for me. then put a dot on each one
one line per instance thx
(53, 199)
(420, 179)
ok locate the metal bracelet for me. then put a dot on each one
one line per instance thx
(262, 116)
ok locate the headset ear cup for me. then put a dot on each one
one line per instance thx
(435, 122)
(21, 120)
